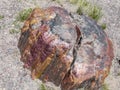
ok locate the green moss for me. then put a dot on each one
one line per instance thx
(23, 15)
(1, 16)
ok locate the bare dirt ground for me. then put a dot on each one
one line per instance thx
(12, 74)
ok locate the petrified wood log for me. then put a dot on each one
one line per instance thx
(65, 49)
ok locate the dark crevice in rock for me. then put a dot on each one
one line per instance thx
(75, 50)
(88, 83)
(77, 45)
(23, 39)
(118, 60)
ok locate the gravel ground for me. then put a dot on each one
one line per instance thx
(13, 76)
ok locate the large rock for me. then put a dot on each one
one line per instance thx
(65, 49)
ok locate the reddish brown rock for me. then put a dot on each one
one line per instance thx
(68, 50)
(92, 60)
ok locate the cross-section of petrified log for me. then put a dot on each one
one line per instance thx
(65, 49)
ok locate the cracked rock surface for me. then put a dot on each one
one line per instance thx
(66, 49)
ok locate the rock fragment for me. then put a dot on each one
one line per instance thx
(65, 49)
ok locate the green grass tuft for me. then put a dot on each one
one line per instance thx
(91, 10)
(1, 16)
(103, 26)
(95, 13)
(73, 1)
(42, 87)
(105, 87)
(79, 11)
(83, 3)
(118, 74)
(87, 8)
(23, 15)
(14, 31)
